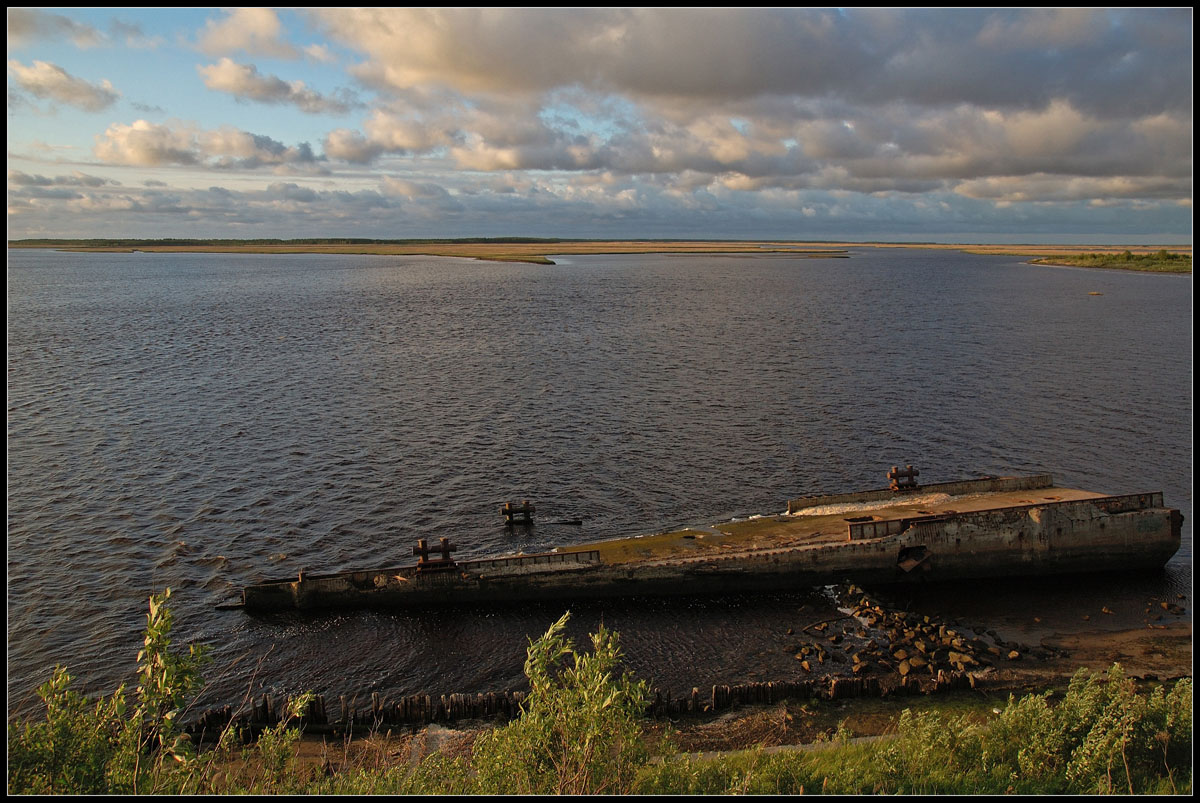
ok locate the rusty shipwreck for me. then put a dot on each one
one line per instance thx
(992, 527)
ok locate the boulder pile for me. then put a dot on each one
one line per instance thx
(875, 639)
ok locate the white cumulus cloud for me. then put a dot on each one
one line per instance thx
(51, 82)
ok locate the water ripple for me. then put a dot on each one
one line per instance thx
(207, 421)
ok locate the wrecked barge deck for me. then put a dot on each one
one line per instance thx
(993, 527)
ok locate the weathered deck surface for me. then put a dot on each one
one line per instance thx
(993, 526)
(825, 524)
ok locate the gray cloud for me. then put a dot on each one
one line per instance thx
(245, 82)
(76, 179)
(1106, 62)
(26, 25)
(705, 120)
(584, 205)
(873, 100)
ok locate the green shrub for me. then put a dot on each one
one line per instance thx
(69, 752)
(580, 730)
(1104, 736)
(88, 747)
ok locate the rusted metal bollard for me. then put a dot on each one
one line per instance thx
(903, 479)
(517, 514)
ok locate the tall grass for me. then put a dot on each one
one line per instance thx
(1104, 736)
(582, 731)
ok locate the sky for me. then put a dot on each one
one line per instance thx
(1003, 126)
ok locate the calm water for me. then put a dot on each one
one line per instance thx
(201, 422)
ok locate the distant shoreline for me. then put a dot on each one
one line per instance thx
(537, 250)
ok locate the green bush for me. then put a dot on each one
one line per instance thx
(90, 747)
(70, 751)
(1104, 736)
(580, 730)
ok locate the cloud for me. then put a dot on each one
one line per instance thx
(256, 31)
(131, 35)
(584, 204)
(76, 179)
(702, 56)
(434, 198)
(147, 144)
(351, 146)
(26, 25)
(1046, 187)
(320, 53)
(51, 82)
(245, 82)
(689, 117)
(870, 101)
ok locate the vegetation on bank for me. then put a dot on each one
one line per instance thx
(582, 731)
(1161, 261)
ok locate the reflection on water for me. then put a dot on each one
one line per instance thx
(207, 421)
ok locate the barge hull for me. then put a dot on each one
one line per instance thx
(1128, 533)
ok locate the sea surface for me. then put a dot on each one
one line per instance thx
(206, 421)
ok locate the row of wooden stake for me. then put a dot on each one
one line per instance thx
(422, 709)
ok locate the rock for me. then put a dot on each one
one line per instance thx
(960, 659)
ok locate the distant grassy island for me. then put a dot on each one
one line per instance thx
(1176, 259)
(1161, 261)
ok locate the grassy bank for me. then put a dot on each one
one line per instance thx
(1161, 261)
(582, 731)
